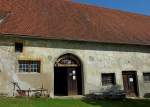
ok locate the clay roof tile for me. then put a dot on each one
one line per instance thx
(64, 19)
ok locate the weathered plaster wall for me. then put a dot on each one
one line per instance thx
(96, 58)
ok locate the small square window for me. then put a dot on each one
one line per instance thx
(18, 47)
(108, 79)
(146, 77)
(28, 66)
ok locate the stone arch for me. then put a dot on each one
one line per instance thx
(68, 75)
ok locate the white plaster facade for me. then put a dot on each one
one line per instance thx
(96, 58)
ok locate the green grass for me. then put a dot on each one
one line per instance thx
(41, 102)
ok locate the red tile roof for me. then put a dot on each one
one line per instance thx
(63, 19)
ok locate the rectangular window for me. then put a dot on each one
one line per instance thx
(29, 66)
(108, 79)
(146, 77)
(18, 47)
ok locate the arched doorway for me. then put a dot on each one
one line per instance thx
(67, 76)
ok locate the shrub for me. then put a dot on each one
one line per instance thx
(147, 95)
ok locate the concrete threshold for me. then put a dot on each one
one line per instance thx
(69, 97)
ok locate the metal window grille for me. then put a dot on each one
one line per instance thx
(29, 66)
(108, 79)
(146, 77)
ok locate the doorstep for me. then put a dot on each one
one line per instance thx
(69, 97)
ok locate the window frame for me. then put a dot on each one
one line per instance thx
(28, 66)
(146, 74)
(107, 76)
(19, 47)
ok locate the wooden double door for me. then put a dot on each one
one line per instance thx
(130, 83)
(67, 81)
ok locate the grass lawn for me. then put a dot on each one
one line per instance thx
(41, 102)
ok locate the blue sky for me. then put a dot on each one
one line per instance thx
(135, 6)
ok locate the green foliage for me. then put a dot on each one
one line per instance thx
(147, 95)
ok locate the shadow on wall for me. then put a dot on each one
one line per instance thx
(66, 44)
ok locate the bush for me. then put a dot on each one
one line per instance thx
(147, 95)
(107, 95)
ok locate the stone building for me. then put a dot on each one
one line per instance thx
(72, 49)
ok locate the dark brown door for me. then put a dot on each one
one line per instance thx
(72, 81)
(60, 81)
(130, 83)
